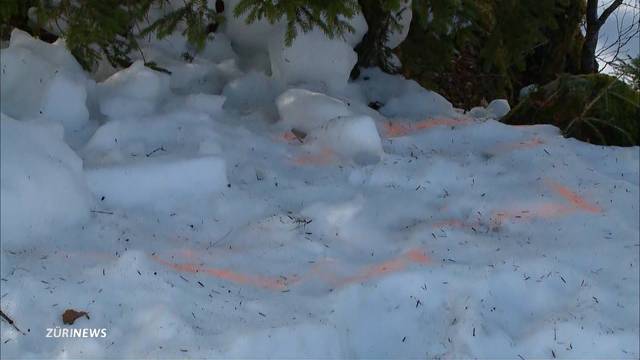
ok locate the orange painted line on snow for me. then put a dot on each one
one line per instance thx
(573, 198)
(326, 156)
(271, 283)
(288, 136)
(543, 211)
(322, 271)
(453, 223)
(547, 210)
(414, 256)
(397, 129)
(528, 144)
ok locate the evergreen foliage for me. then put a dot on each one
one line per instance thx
(13, 13)
(468, 50)
(595, 108)
(629, 70)
(329, 15)
(112, 28)
(382, 16)
(490, 47)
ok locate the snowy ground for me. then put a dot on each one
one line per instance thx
(188, 220)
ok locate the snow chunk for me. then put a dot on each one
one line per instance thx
(306, 110)
(198, 76)
(353, 138)
(404, 15)
(173, 45)
(479, 112)
(499, 108)
(41, 80)
(157, 161)
(402, 97)
(56, 54)
(312, 58)
(252, 36)
(527, 90)
(418, 105)
(134, 91)
(217, 48)
(251, 91)
(43, 186)
(360, 28)
(129, 140)
(210, 104)
(158, 182)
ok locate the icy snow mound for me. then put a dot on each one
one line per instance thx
(198, 76)
(158, 183)
(312, 58)
(360, 28)
(217, 48)
(43, 185)
(353, 138)
(250, 37)
(252, 91)
(157, 162)
(135, 91)
(497, 109)
(402, 98)
(41, 80)
(404, 15)
(206, 103)
(306, 110)
(418, 105)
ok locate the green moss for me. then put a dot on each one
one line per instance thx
(595, 108)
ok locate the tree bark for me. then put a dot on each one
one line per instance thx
(594, 23)
(372, 50)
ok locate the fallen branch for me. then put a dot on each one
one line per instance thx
(11, 322)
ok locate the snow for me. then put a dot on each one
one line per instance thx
(252, 91)
(331, 60)
(499, 108)
(247, 37)
(306, 110)
(35, 75)
(217, 48)
(281, 216)
(353, 137)
(43, 185)
(158, 182)
(135, 91)
(210, 104)
(404, 16)
(360, 28)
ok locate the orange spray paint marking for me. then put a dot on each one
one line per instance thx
(551, 210)
(573, 198)
(288, 136)
(543, 211)
(414, 256)
(397, 129)
(326, 156)
(271, 283)
(322, 271)
(528, 144)
(392, 130)
(452, 223)
(534, 211)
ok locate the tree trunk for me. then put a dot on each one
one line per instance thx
(589, 64)
(372, 50)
